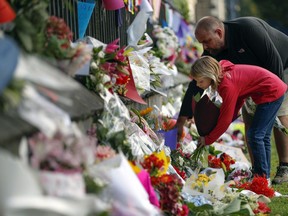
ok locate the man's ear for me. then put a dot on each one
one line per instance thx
(219, 32)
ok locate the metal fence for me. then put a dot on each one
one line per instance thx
(104, 25)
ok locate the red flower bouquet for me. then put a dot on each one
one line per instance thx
(258, 185)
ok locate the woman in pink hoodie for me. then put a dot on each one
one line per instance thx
(235, 83)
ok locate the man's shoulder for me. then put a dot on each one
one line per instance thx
(244, 21)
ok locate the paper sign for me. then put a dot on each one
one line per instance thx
(85, 11)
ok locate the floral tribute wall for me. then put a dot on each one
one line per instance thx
(122, 161)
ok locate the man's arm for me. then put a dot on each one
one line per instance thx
(186, 111)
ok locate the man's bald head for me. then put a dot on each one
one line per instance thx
(208, 23)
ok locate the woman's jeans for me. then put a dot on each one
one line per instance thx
(259, 136)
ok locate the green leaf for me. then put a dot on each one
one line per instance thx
(26, 41)
(24, 25)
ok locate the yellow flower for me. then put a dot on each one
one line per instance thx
(161, 155)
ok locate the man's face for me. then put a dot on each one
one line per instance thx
(212, 41)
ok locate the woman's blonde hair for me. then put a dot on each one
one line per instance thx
(207, 67)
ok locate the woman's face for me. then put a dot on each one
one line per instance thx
(203, 82)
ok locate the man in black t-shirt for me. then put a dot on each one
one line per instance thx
(245, 40)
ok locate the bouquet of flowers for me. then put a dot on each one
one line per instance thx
(157, 165)
(258, 185)
(58, 45)
(167, 45)
(208, 183)
(218, 159)
(181, 159)
(60, 161)
(62, 152)
(145, 120)
(109, 69)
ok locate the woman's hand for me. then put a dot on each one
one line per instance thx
(201, 142)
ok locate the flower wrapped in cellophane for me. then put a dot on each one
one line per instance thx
(109, 68)
(168, 185)
(123, 189)
(208, 183)
(218, 159)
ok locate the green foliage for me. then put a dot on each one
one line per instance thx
(30, 24)
(91, 186)
(248, 8)
(11, 96)
(199, 210)
(117, 140)
(182, 7)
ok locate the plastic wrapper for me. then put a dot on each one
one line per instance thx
(208, 183)
(21, 194)
(141, 143)
(140, 70)
(241, 171)
(115, 114)
(144, 178)
(38, 71)
(124, 190)
(43, 114)
(62, 184)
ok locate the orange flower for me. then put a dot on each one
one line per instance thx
(169, 124)
(146, 111)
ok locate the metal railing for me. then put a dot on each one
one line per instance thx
(104, 25)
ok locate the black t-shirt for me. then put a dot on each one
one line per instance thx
(249, 40)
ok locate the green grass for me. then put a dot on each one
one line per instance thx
(278, 205)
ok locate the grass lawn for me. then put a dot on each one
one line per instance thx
(278, 205)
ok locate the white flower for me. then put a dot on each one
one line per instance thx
(106, 78)
(93, 65)
(181, 161)
(101, 54)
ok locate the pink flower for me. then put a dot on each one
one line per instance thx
(120, 56)
(109, 67)
(112, 47)
(104, 152)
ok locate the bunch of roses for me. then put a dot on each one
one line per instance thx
(168, 186)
